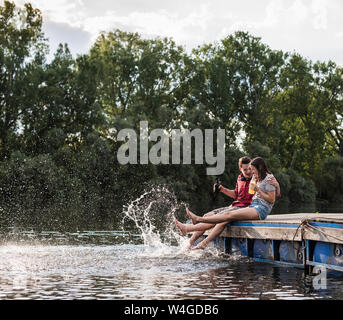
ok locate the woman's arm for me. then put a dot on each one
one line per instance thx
(268, 196)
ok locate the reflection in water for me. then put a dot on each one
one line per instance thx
(42, 269)
(147, 259)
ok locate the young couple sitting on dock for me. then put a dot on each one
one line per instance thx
(255, 193)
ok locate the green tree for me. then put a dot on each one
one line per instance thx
(213, 92)
(304, 119)
(139, 79)
(21, 47)
(36, 192)
(329, 179)
(256, 69)
(329, 81)
(65, 99)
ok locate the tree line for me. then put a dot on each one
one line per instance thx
(59, 119)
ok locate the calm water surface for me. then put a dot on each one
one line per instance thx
(116, 265)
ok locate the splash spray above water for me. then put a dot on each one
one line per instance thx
(151, 215)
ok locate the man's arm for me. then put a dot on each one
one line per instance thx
(275, 183)
(228, 192)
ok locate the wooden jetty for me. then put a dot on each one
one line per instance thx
(302, 240)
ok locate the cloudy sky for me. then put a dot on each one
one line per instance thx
(313, 28)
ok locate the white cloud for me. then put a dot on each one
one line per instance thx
(160, 23)
(298, 12)
(310, 27)
(273, 12)
(320, 12)
(61, 11)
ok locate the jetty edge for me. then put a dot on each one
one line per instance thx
(301, 240)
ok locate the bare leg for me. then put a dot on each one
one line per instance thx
(216, 231)
(198, 234)
(198, 228)
(195, 236)
(192, 216)
(241, 214)
(198, 231)
(187, 228)
(189, 214)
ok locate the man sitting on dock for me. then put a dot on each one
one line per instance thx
(241, 195)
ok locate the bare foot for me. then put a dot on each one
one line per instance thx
(188, 247)
(181, 227)
(200, 246)
(192, 216)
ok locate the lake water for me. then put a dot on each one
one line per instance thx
(140, 261)
(113, 265)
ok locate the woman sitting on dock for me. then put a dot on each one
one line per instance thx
(261, 205)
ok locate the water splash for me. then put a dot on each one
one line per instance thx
(152, 215)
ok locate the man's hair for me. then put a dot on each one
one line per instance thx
(243, 160)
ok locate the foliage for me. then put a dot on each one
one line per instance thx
(59, 120)
(21, 49)
(33, 188)
(329, 179)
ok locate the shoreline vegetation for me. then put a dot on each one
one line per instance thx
(59, 120)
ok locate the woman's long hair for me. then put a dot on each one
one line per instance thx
(261, 167)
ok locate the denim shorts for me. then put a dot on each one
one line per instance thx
(261, 209)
